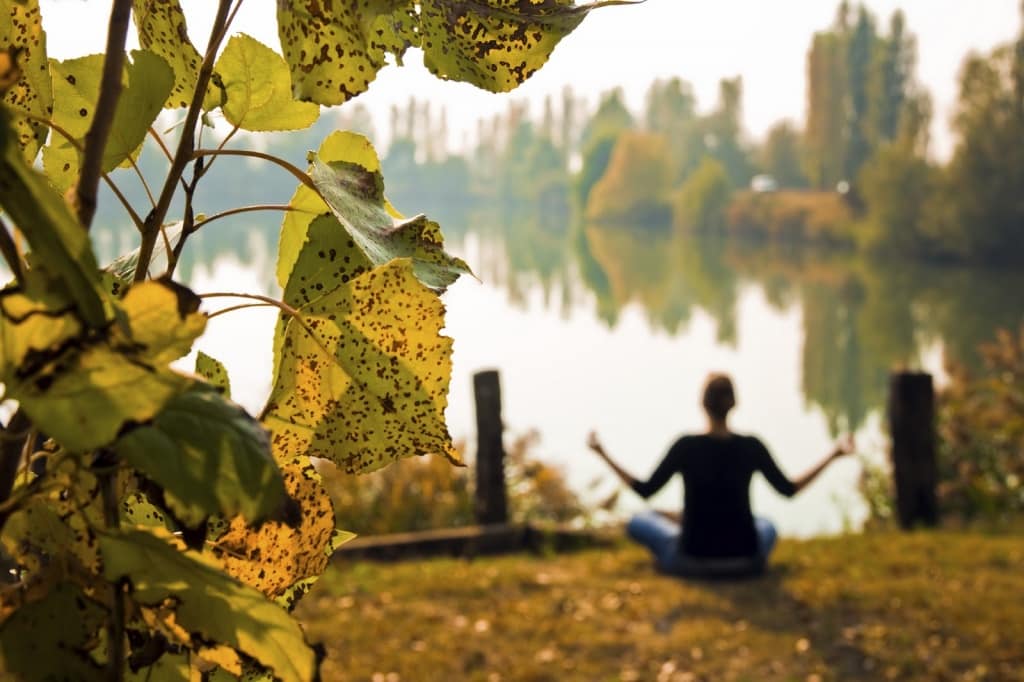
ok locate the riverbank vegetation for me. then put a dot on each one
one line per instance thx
(879, 606)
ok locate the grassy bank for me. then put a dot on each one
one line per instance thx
(929, 606)
(800, 216)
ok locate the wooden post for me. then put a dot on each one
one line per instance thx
(491, 504)
(912, 427)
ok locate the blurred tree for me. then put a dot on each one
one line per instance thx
(635, 187)
(782, 154)
(598, 139)
(987, 170)
(700, 203)
(863, 45)
(826, 110)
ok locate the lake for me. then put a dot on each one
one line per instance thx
(615, 328)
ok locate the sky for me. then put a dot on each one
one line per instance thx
(629, 46)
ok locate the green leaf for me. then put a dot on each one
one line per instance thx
(209, 456)
(23, 39)
(164, 320)
(362, 377)
(209, 603)
(34, 322)
(137, 510)
(163, 31)
(83, 390)
(335, 49)
(51, 638)
(257, 88)
(347, 173)
(76, 84)
(83, 398)
(214, 372)
(495, 44)
(59, 244)
(276, 558)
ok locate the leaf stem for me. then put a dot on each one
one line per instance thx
(242, 209)
(240, 306)
(103, 118)
(256, 297)
(297, 173)
(184, 153)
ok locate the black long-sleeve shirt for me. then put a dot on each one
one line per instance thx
(717, 521)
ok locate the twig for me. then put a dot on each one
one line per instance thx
(103, 117)
(142, 179)
(240, 306)
(136, 218)
(184, 153)
(242, 209)
(294, 170)
(160, 141)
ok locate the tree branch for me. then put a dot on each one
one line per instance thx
(183, 155)
(103, 117)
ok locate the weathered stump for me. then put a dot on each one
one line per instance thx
(912, 427)
(491, 503)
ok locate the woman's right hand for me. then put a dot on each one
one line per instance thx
(844, 446)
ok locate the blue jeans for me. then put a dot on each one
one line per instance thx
(661, 536)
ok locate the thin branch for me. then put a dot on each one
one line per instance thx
(142, 179)
(242, 209)
(112, 520)
(10, 252)
(103, 117)
(240, 306)
(160, 141)
(294, 170)
(184, 154)
(70, 139)
(292, 312)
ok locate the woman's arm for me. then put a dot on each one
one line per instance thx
(843, 447)
(646, 488)
(594, 444)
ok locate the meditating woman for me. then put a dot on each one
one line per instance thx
(717, 534)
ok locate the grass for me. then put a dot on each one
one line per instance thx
(879, 606)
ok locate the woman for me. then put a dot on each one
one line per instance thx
(718, 535)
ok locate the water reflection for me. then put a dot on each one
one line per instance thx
(616, 325)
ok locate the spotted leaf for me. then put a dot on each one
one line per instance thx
(163, 31)
(23, 40)
(214, 606)
(214, 371)
(362, 377)
(276, 558)
(495, 44)
(347, 174)
(76, 85)
(335, 49)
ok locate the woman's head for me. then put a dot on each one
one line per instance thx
(719, 396)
